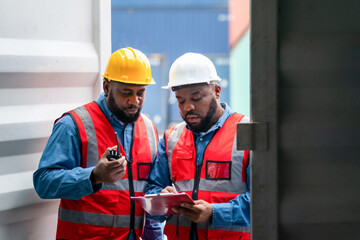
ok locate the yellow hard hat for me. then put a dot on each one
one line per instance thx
(128, 65)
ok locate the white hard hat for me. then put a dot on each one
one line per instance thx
(192, 68)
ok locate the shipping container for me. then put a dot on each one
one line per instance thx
(170, 29)
(51, 56)
(305, 85)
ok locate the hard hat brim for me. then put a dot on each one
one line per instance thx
(169, 86)
(152, 82)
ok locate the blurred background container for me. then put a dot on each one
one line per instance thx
(165, 30)
(52, 55)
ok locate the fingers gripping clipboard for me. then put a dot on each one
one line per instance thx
(162, 203)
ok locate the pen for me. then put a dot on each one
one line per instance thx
(173, 183)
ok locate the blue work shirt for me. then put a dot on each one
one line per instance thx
(59, 174)
(233, 213)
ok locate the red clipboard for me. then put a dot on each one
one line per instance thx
(162, 203)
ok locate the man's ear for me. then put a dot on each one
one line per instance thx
(217, 91)
(106, 87)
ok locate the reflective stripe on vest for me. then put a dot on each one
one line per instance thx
(152, 136)
(100, 219)
(182, 221)
(171, 142)
(210, 185)
(92, 147)
(123, 184)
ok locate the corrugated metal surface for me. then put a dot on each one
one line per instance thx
(50, 57)
(305, 81)
(171, 28)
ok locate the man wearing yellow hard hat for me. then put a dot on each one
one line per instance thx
(100, 154)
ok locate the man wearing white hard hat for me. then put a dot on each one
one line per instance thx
(199, 157)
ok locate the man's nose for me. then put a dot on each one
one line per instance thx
(189, 107)
(134, 100)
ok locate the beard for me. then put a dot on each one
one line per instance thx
(206, 121)
(120, 113)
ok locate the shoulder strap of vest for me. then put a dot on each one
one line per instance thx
(246, 158)
(152, 134)
(85, 125)
(172, 135)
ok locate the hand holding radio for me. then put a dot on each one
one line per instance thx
(110, 168)
(115, 154)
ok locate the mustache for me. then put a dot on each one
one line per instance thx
(131, 107)
(192, 113)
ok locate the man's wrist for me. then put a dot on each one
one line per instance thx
(92, 178)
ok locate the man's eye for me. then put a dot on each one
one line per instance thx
(196, 99)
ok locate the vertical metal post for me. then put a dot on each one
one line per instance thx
(263, 90)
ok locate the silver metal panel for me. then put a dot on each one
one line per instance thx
(51, 56)
(310, 65)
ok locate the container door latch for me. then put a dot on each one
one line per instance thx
(251, 136)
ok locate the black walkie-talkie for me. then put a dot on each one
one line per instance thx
(114, 154)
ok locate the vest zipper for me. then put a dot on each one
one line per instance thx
(198, 167)
(131, 187)
(195, 193)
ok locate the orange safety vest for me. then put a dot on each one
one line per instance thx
(220, 178)
(109, 213)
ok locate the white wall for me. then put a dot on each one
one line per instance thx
(51, 57)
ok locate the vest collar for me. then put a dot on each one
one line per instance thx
(218, 124)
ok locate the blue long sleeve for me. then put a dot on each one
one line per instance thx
(235, 212)
(153, 230)
(59, 174)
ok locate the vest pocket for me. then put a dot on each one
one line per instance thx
(143, 171)
(183, 165)
(218, 170)
(185, 155)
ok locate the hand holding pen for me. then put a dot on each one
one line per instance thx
(170, 189)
